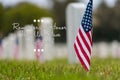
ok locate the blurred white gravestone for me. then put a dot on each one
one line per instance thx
(115, 49)
(74, 16)
(95, 50)
(46, 29)
(103, 51)
(21, 48)
(29, 42)
(118, 51)
(5, 48)
(11, 44)
(61, 51)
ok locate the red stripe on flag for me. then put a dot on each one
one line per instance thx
(84, 40)
(89, 37)
(83, 51)
(81, 60)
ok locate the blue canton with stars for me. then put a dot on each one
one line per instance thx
(87, 18)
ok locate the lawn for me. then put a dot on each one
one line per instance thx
(101, 69)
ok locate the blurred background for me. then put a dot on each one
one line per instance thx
(106, 17)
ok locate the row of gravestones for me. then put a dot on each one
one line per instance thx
(104, 49)
(22, 45)
(15, 46)
(26, 47)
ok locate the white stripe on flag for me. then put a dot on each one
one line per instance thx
(86, 37)
(83, 45)
(82, 56)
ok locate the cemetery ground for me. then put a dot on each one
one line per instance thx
(101, 69)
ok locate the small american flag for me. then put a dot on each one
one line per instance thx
(83, 42)
(1, 48)
(16, 48)
(39, 47)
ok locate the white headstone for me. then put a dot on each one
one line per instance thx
(114, 49)
(46, 29)
(5, 48)
(104, 50)
(74, 16)
(118, 54)
(21, 46)
(95, 50)
(29, 42)
(61, 51)
(11, 44)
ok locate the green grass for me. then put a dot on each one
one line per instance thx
(101, 69)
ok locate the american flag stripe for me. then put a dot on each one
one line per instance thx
(81, 56)
(86, 51)
(89, 37)
(83, 46)
(83, 39)
(86, 37)
(81, 60)
(83, 42)
(83, 51)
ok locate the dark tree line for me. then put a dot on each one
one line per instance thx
(107, 24)
(106, 19)
(23, 13)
